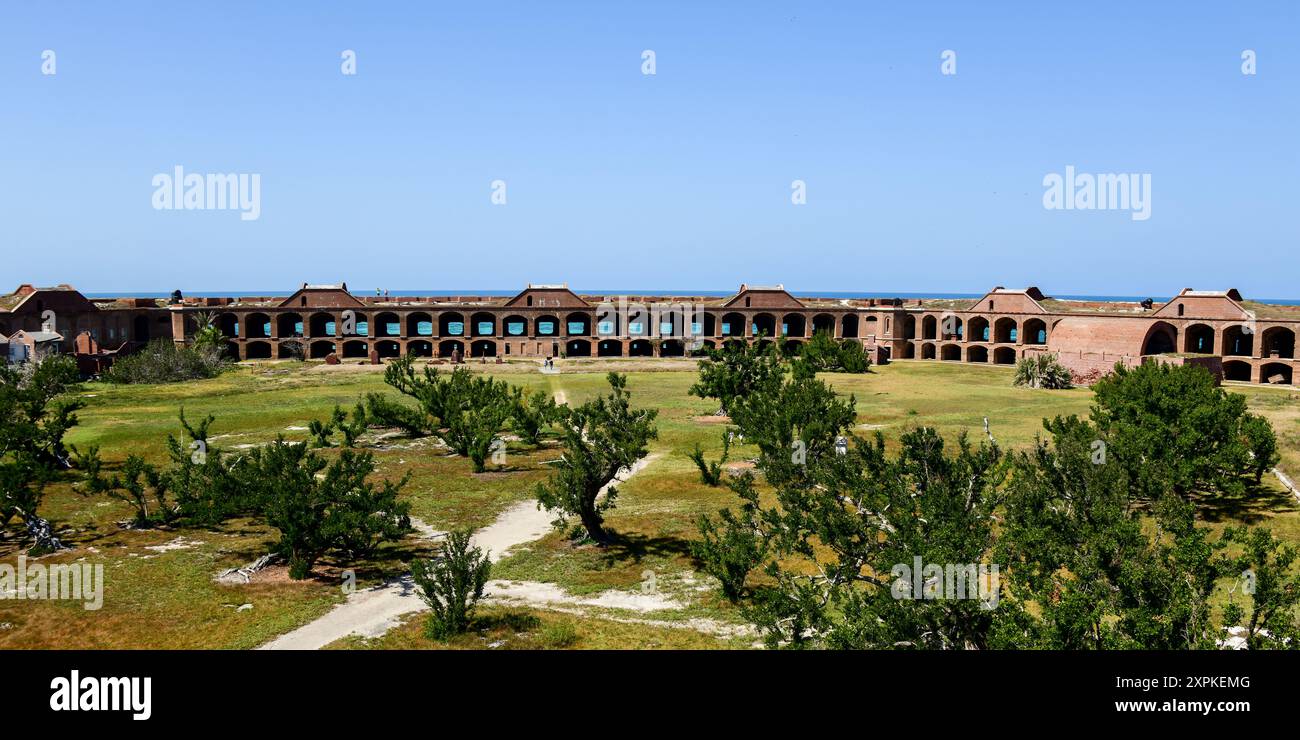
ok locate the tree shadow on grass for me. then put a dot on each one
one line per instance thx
(1255, 505)
(634, 548)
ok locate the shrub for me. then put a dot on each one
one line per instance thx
(34, 415)
(711, 472)
(558, 635)
(318, 506)
(532, 413)
(452, 584)
(163, 361)
(1043, 370)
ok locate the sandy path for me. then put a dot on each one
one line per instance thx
(376, 610)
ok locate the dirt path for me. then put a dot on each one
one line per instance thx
(376, 610)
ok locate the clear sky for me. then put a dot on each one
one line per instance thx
(916, 181)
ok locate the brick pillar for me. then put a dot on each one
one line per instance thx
(178, 324)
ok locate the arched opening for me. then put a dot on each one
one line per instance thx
(1004, 356)
(319, 350)
(1198, 339)
(257, 351)
(609, 348)
(451, 348)
(849, 326)
(578, 324)
(672, 348)
(451, 324)
(979, 330)
(909, 327)
(483, 324)
(259, 325)
(290, 349)
(360, 324)
(929, 327)
(288, 325)
(951, 327)
(638, 322)
(228, 323)
(733, 325)
(231, 351)
(950, 352)
(419, 348)
(1278, 341)
(824, 322)
(1276, 373)
(1161, 339)
(794, 325)
(792, 347)
(387, 324)
(515, 326)
(927, 351)
(388, 348)
(764, 325)
(640, 348)
(483, 348)
(1237, 343)
(977, 354)
(546, 326)
(607, 323)
(577, 348)
(1236, 370)
(322, 325)
(1035, 331)
(356, 348)
(1004, 330)
(140, 329)
(908, 352)
(703, 348)
(419, 324)
(710, 324)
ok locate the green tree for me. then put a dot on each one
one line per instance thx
(792, 421)
(838, 534)
(35, 414)
(532, 413)
(1075, 543)
(476, 408)
(465, 410)
(139, 485)
(735, 369)
(452, 584)
(1257, 434)
(1172, 428)
(318, 506)
(732, 547)
(600, 438)
(1263, 572)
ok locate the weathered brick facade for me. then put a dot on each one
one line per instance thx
(549, 320)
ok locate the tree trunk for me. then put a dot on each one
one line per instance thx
(594, 524)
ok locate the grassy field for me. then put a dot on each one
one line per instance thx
(160, 590)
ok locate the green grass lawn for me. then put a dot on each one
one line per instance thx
(167, 598)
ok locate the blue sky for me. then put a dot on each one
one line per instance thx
(916, 181)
